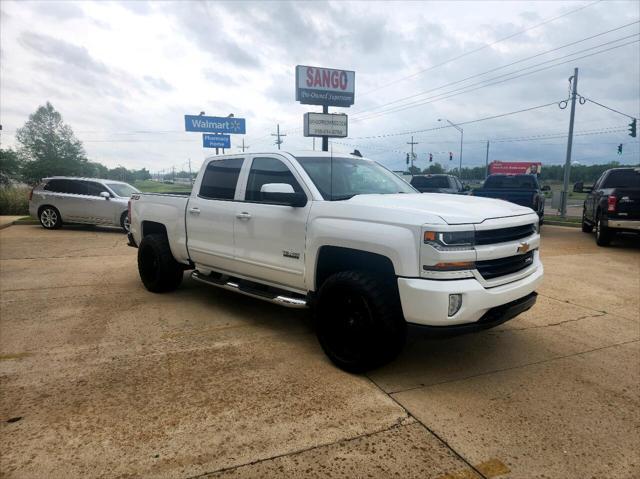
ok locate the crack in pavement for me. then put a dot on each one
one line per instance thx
(485, 373)
(550, 325)
(427, 428)
(400, 422)
(585, 307)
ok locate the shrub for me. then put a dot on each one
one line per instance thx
(14, 200)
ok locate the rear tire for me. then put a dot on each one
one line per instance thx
(603, 235)
(159, 271)
(359, 321)
(50, 218)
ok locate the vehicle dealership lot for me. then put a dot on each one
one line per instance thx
(111, 380)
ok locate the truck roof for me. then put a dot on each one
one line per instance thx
(295, 153)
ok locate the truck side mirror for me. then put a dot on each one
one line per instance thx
(282, 194)
(105, 195)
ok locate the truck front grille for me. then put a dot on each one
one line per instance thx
(500, 267)
(503, 235)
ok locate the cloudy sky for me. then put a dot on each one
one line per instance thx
(124, 74)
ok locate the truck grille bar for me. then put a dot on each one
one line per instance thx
(503, 235)
(500, 267)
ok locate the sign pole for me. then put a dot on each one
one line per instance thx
(325, 139)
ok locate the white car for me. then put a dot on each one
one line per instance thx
(346, 236)
(63, 199)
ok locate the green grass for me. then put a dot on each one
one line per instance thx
(14, 200)
(148, 186)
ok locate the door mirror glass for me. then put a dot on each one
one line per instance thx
(105, 195)
(282, 193)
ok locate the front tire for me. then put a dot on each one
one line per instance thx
(50, 218)
(159, 271)
(124, 222)
(359, 321)
(603, 235)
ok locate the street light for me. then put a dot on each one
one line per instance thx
(461, 139)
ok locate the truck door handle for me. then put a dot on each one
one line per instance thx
(243, 216)
(194, 211)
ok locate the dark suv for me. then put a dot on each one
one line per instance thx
(438, 184)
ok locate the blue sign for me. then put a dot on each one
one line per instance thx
(214, 124)
(216, 141)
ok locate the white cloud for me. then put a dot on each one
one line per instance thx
(124, 74)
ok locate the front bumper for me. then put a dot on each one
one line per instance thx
(426, 302)
(633, 225)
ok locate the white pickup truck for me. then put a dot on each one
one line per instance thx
(346, 236)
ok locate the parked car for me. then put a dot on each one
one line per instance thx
(62, 199)
(438, 184)
(522, 190)
(613, 204)
(349, 238)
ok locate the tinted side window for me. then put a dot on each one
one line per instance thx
(56, 186)
(63, 186)
(220, 179)
(268, 170)
(94, 189)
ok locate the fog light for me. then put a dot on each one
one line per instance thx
(455, 302)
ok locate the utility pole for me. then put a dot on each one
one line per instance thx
(325, 139)
(243, 146)
(278, 134)
(486, 161)
(567, 164)
(190, 175)
(173, 173)
(412, 143)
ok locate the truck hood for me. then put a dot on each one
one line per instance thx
(453, 209)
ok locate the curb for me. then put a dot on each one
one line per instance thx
(561, 223)
(22, 221)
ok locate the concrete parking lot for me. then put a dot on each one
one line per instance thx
(100, 378)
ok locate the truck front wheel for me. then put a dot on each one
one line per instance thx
(359, 321)
(158, 270)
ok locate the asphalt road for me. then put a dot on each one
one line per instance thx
(100, 378)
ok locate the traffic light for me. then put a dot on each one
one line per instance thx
(450, 156)
(632, 128)
(620, 149)
(430, 157)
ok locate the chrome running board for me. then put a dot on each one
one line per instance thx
(226, 283)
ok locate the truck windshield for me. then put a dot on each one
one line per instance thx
(515, 181)
(343, 178)
(623, 179)
(122, 189)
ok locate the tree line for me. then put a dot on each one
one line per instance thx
(48, 147)
(585, 173)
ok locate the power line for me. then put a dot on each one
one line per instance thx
(607, 107)
(402, 133)
(464, 54)
(507, 65)
(463, 90)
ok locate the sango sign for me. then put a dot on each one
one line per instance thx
(325, 86)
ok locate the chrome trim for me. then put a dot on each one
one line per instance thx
(287, 301)
(624, 224)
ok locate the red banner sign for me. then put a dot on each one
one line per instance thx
(514, 168)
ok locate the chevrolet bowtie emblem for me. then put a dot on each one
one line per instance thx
(523, 248)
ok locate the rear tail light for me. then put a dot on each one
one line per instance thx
(611, 203)
(31, 193)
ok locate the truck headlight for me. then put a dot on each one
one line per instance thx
(455, 303)
(450, 240)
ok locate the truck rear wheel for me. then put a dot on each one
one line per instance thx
(603, 234)
(359, 321)
(159, 271)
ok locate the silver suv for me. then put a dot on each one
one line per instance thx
(80, 200)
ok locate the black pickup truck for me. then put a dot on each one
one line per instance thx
(613, 204)
(523, 190)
